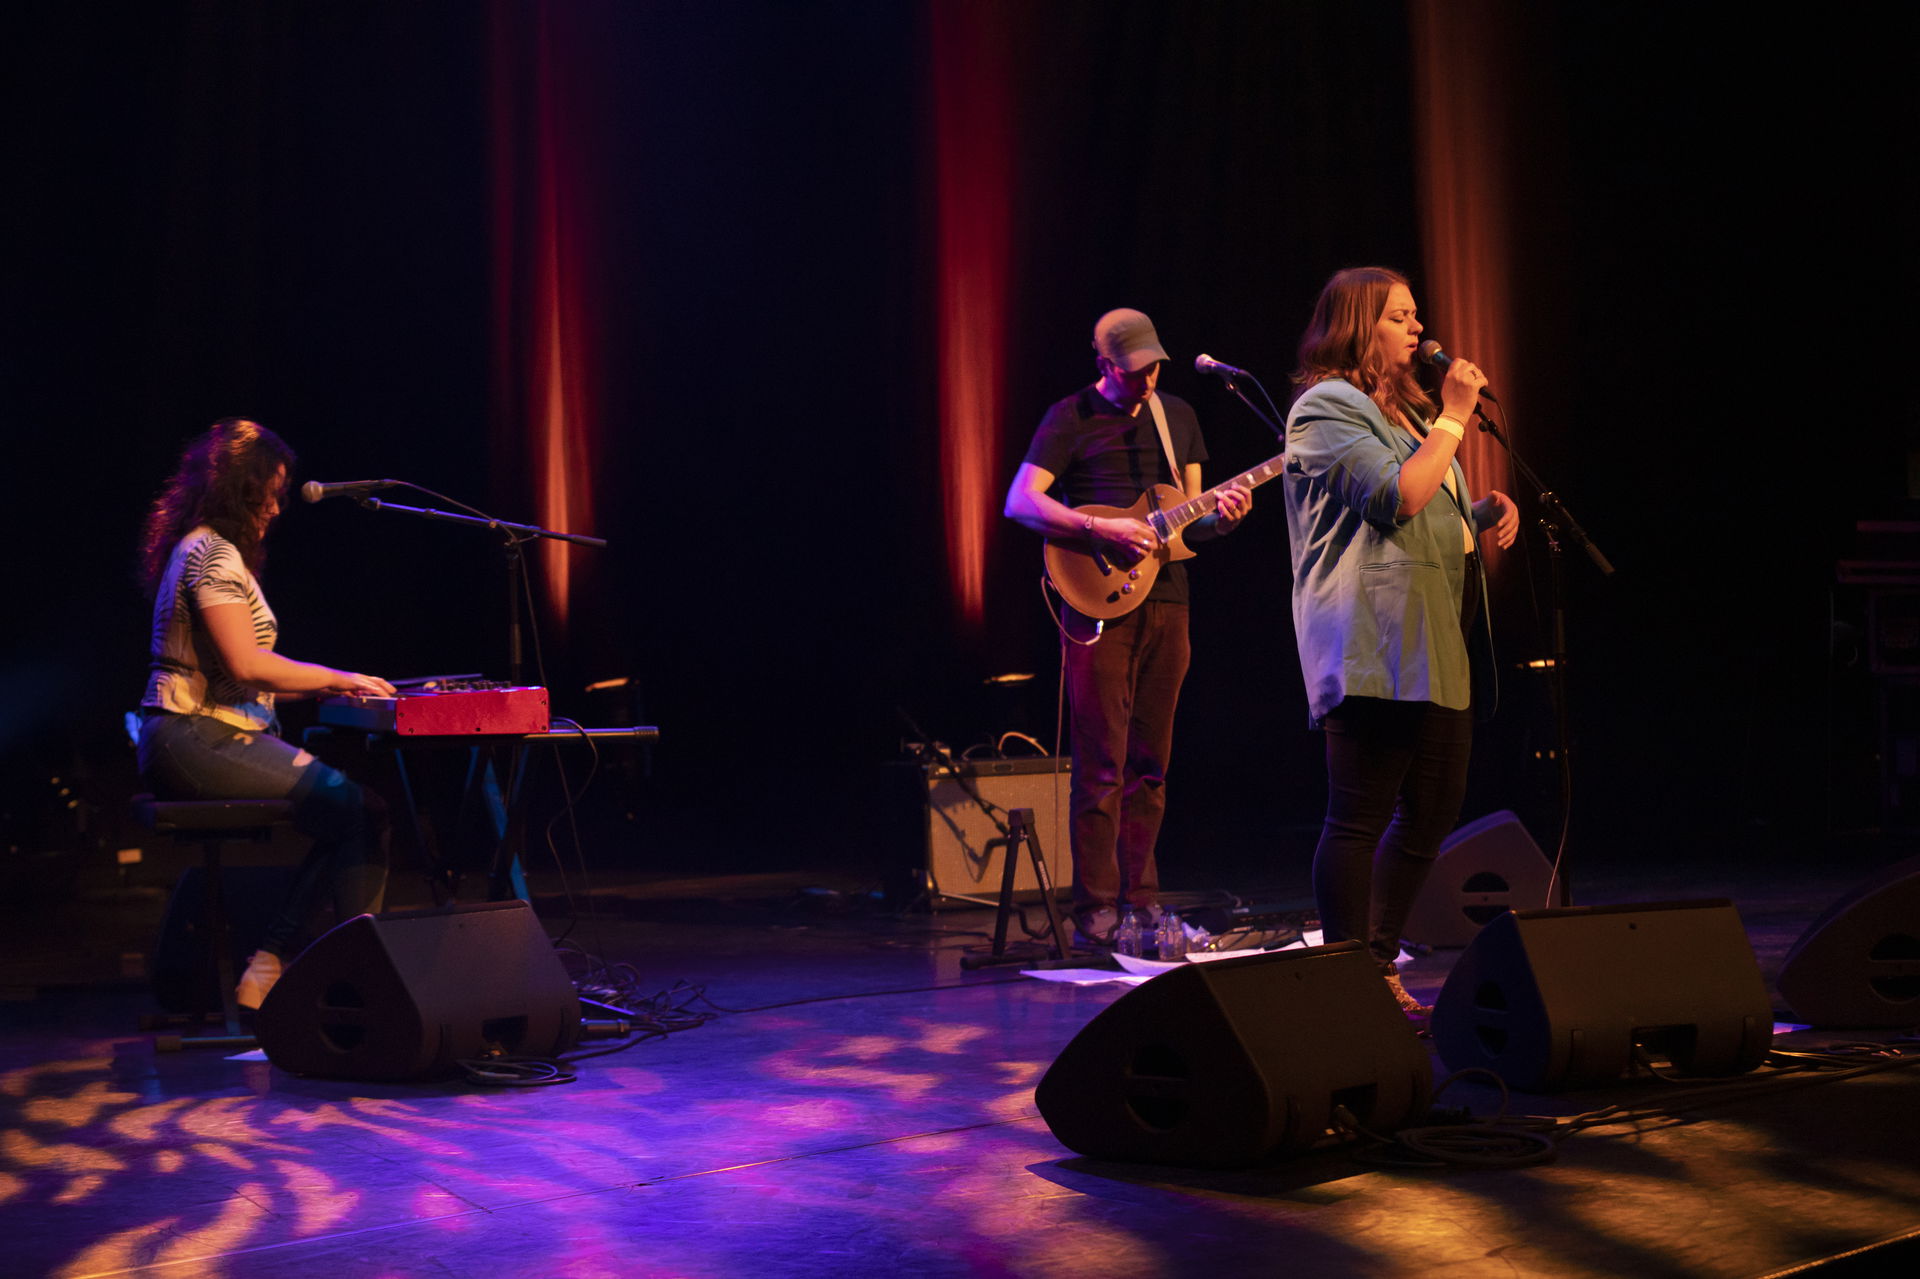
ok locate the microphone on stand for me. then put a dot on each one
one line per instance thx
(1430, 353)
(1207, 364)
(314, 490)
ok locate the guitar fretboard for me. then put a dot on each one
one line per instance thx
(1170, 520)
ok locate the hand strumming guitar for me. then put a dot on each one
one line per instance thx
(1124, 540)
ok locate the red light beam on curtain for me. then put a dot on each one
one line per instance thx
(973, 192)
(561, 409)
(1464, 187)
(545, 313)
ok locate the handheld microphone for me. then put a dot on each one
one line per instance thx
(1430, 353)
(314, 490)
(1207, 364)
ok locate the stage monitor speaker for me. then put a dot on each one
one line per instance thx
(1859, 963)
(407, 995)
(185, 979)
(1226, 1063)
(1484, 869)
(1550, 999)
(959, 861)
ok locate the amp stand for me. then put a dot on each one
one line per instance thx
(1021, 834)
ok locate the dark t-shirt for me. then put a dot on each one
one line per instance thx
(1105, 458)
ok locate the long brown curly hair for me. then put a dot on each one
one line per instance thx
(1339, 343)
(225, 479)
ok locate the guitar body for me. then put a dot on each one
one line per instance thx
(1100, 586)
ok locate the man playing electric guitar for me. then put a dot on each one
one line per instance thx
(1106, 445)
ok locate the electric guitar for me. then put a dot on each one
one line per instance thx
(1097, 585)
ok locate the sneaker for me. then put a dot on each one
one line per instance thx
(1409, 1005)
(1095, 927)
(263, 970)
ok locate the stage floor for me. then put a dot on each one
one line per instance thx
(869, 1109)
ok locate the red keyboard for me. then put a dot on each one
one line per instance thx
(452, 712)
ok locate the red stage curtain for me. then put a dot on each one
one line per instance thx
(973, 197)
(1462, 146)
(546, 357)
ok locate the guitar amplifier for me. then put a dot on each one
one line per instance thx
(954, 831)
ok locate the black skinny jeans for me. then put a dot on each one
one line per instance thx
(1396, 776)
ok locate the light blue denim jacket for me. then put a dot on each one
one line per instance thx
(1376, 597)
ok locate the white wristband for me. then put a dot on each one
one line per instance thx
(1451, 425)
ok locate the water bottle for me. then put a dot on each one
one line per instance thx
(1171, 937)
(1127, 939)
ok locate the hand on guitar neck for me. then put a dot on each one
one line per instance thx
(1110, 568)
(1130, 536)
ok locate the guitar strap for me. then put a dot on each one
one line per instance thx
(1166, 440)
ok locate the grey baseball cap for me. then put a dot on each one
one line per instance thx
(1126, 337)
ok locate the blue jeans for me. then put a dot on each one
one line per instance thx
(198, 757)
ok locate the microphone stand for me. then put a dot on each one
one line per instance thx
(1557, 521)
(505, 876)
(517, 583)
(1233, 384)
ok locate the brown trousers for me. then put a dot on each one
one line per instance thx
(1123, 690)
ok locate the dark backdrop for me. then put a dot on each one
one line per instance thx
(285, 213)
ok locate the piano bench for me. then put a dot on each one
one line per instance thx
(211, 823)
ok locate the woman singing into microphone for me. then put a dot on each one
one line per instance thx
(208, 719)
(1387, 588)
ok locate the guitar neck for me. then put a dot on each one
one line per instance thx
(1175, 518)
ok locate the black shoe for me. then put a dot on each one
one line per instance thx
(1095, 927)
